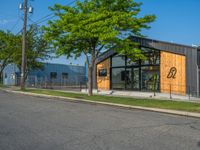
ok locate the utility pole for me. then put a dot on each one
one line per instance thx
(26, 9)
(23, 65)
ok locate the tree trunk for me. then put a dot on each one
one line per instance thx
(90, 73)
(90, 80)
(154, 84)
(1, 71)
(1, 77)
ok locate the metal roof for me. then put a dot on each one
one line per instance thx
(155, 44)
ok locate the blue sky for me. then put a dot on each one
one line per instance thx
(177, 21)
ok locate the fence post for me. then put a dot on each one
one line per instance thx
(170, 88)
(86, 86)
(189, 92)
(59, 83)
(36, 81)
(45, 82)
(80, 86)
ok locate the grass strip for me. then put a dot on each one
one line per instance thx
(3, 86)
(151, 103)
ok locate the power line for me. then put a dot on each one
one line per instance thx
(44, 17)
(14, 26)
(50, 16)
(45, 20)
(31, 20)
(41, 20)
(19, 31)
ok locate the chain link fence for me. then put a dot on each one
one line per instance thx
(77, 83)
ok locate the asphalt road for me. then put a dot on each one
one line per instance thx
(30, 123)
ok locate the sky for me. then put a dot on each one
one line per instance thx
(177, 21)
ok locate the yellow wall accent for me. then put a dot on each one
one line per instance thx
(178, 83)
(103, 83)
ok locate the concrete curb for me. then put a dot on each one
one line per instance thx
(173, 112)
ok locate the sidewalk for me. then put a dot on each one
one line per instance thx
(149, 95)
(167, 111)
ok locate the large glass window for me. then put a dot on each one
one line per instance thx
(132, 78)
(138, 74)
(152, 57)
(150, 78)
(118, 78)
(118, 60)
(132, 63)
(128, 78)
(136, 79)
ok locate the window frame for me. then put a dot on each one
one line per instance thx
(104, 74)
(53, 75)
(138, 65)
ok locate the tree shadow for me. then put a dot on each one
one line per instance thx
(198, 144)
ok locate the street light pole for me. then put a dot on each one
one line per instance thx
(23, 65)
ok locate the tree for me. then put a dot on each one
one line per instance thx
(37, 50)
(9, 44)
(152, 56)
(92, 26)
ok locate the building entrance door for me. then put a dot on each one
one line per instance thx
(132, 79)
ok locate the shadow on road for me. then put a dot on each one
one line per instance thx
(198, 143)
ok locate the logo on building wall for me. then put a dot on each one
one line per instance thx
(172, 73)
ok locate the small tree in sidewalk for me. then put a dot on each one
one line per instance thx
(93, 26)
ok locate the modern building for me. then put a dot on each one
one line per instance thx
(56, 74)
(168, 67)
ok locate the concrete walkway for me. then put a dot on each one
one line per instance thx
(149, 95)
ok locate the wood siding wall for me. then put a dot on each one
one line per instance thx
(103, 83)
(176, 83)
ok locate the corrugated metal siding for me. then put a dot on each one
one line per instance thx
(75, 73)
(191, 71)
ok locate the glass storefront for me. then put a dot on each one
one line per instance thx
(118, 61)
(136, 79)
(150, 78)
(136, 75)
(118, 82)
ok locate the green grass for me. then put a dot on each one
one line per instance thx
(3, 86)
(152, 103)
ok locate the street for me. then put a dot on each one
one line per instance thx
(32, 123)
